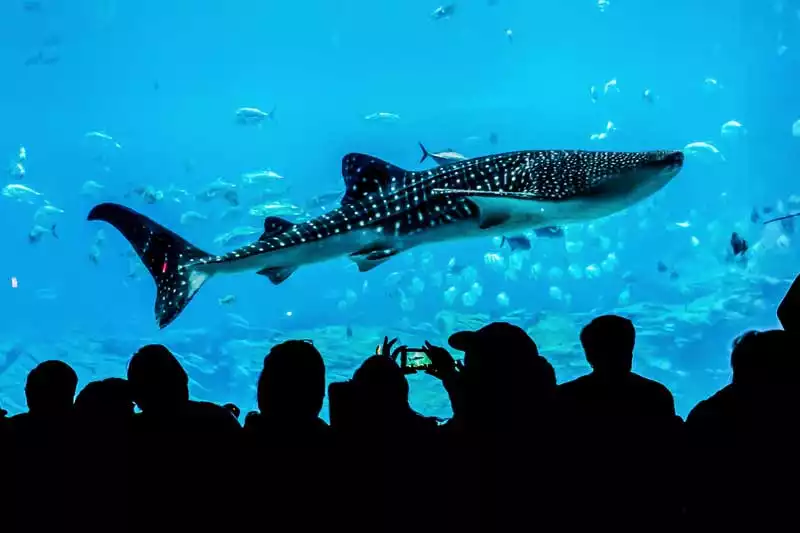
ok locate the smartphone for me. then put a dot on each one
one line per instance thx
(789, 308)
(413, 360)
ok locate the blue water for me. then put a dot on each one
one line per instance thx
(164, 79)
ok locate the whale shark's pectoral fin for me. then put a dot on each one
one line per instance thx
(277, 275)
(274, 226)
(491, 220)
(370, 258)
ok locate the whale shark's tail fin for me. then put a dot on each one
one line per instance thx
(164, 253)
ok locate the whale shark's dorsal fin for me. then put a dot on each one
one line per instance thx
(365, 175)
(274, 226)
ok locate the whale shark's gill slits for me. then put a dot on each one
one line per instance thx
(562, 174)
(429, 215)
(164, 253)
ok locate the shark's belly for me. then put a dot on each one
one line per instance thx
(299, 254)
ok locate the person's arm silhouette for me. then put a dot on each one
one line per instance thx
(446, 369)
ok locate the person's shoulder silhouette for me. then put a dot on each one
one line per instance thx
(45, 463)
(766, 375)
(608, 342)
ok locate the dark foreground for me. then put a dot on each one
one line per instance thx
(605, 452)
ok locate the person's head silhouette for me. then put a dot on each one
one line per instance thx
(157, 380)
(50, 388)
(764, 359)
(292, 382)
(105, 400)
(382, 386)
(503, 372)
(608, 343)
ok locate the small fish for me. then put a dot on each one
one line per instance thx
(19, 192)
(517, 242)
(103, 137)
(443, 12)
(661, 267)
(190, 217)
(755, 216)
(593, 94)
(738, 244)
(275, 209)
(493, 138)
(37, 232)
(510, 35)
(454, 266)
(549, 232)
(149, 194)
(732, 128)
(648, 96)
(610, 85)
(253, 177)
(253, 115)
(442, 158)
(325, 200)
(91, 188)
(699, 147)
(18, 171)
(227, 300)
(383, 116)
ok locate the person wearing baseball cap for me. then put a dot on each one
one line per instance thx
(504, 378)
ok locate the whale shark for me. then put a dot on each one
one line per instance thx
(387, 210)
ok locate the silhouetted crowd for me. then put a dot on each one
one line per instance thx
(604, 452)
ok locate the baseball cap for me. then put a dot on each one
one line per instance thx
(496, 334)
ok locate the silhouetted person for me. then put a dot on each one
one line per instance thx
(383, 442)
(624, 427)
(43, 454)
(108, 400)
(499, 441)
(8, 499)
(612, 390)
(186, 450)
(103, 421)
(287, 443)
(743, 440)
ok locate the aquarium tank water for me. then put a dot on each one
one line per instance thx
(210, 117)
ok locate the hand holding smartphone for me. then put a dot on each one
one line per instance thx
(413, 360)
